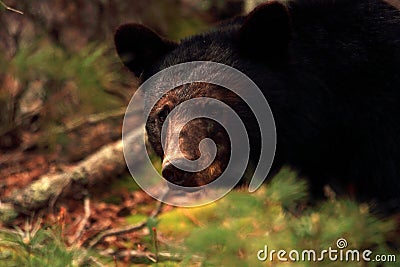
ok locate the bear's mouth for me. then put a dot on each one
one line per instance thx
(174, 187)
(189, 181)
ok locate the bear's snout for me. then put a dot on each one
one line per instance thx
(174, 174)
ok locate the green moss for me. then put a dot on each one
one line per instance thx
(175, 224)
(136, 218)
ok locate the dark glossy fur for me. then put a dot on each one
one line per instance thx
(330, 71)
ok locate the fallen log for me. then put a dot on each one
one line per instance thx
(94, 170)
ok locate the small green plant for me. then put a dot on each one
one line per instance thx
(35, 246)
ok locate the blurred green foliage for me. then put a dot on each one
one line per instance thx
(232, 230)
(90, 71)
(72, 85)
(229, 232)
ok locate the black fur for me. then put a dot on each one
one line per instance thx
(334, 92)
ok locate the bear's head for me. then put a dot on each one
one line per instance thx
(252, 44)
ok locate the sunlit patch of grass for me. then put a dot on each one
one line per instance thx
(231, 231)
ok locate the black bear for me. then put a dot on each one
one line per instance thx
(330, 71)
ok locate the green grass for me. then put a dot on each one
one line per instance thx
(232, 230)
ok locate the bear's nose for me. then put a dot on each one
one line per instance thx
(174, 174)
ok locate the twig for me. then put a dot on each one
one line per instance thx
(128, 229)
(160, 204)
(78, 123)
(96, 261)
(10, 8)
(85, 219)
(144, 255)
(119, 231)
(115, 260)
(73, 125)
(91, 119)
(155, 242)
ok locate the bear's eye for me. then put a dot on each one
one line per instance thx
(163, 113)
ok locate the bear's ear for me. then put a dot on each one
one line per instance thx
(139, 47)
(266, 32)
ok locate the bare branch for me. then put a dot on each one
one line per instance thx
(119, 231)
(143, 256)
(91, 119)
(162, 256)
(10, 8)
